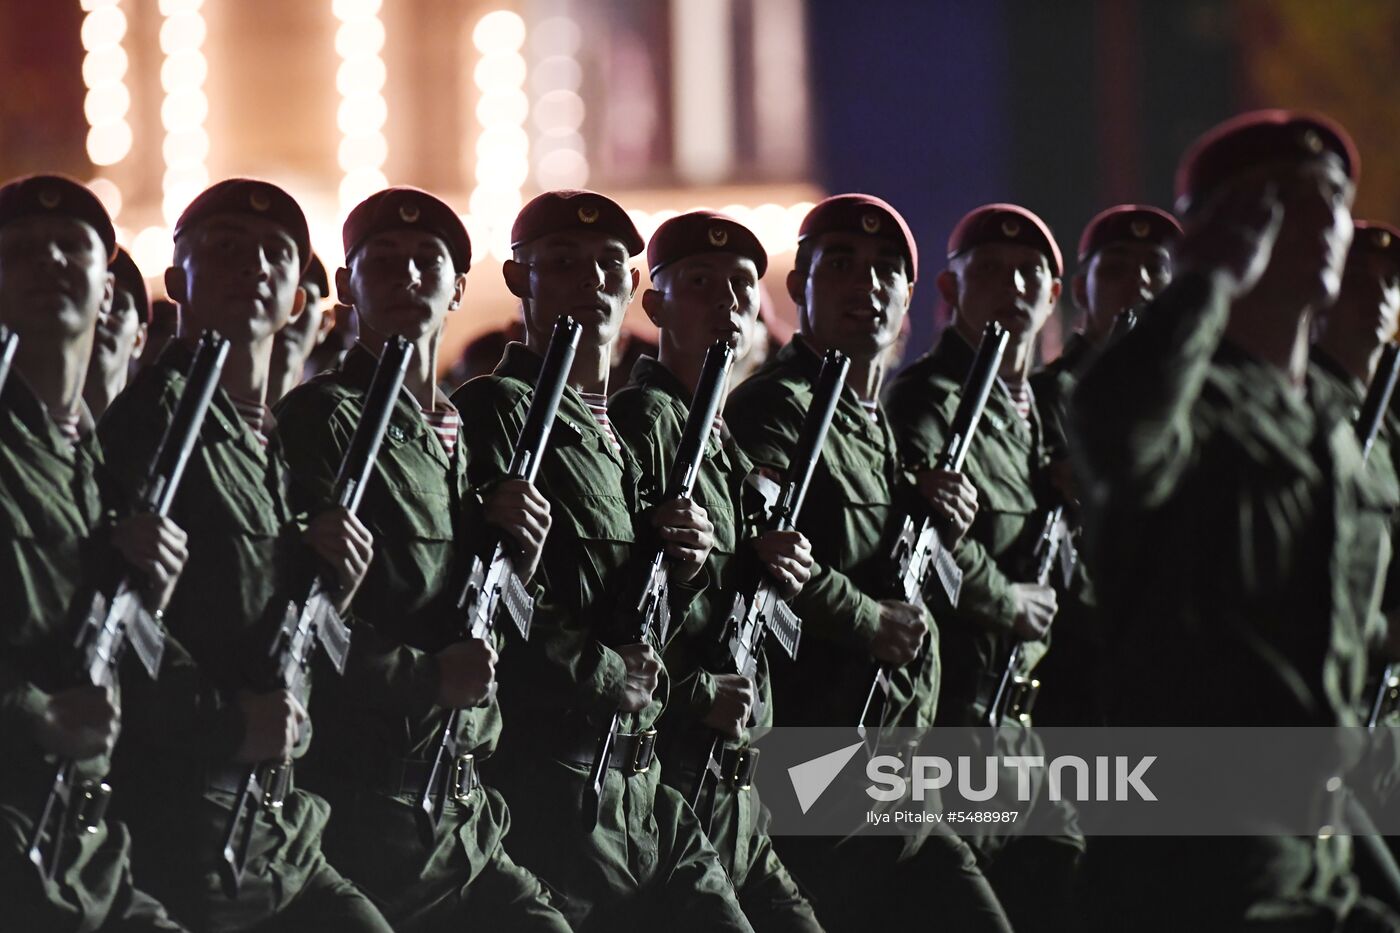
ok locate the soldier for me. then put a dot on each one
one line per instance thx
(294, 344)
(1005, 266)
(163, 327)
(121, 336)
(55, 242)
(855, 271)
(1206, 435)
(647, 858)
(1124, 260)
(705, 268)
(407, 256)
(240, 249)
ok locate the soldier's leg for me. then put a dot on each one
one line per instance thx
(328, 901)
(1034, 877)
(507, 896)
(690, 885)
(770, 896)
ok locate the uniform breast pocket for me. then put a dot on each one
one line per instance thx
(408, 514)
(232, 496)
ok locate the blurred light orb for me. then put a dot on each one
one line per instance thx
(360, 184)
(186, 147)
(152, 249)
(108, 143)
(562, 168)
(104, 66)
(359, 38)
(346, 10)
(103, 27)
(499, 31)
(504, 106)
(182, 32)
(363, 152)
(184, 109)
(106, 103)
(557, 35)
(503, 137)
(559, 112)
(499, 71)
(171, 7)
(108, 193)
(557, 73)
(361, 76)
(360, 116)
(186, 68)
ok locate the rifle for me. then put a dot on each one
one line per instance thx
(310, 617)
(757, 609)
(1125, 321)
(116, 616)
(1015, 694)
(918, 552)
(493, 585)
(9, 343)
(644, 615)
(1368, 425)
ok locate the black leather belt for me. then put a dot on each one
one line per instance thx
(408, 777)
(275, 780)
(632, 752)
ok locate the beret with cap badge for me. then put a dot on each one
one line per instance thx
(252, 197)
(1005, 223)
(703, 232)
(35, 195)
(574, 209)
(861, 213)
(1128, 223)
(404, 207)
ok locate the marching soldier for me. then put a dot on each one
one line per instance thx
(705, 269)
(1124, 261)
(55, 242)
(1004, 266)
(121, 336)
(647, 859)
(240, 250)
(855, 271)
(1206, 436)
(294, 344)
(407, 256)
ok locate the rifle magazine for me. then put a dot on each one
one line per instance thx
(518, 603)
(786, 628)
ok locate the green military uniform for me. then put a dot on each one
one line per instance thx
(559, 689)
(52, 549)
(1052, 386)
(177, 778)
(851, 516)
(1222, 505)
(379, 725)
(649, 415)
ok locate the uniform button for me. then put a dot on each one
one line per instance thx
(1334, 784)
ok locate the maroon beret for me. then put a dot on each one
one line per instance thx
(861, 213)
(1372, 236)
(129, 279)
(57, 194)
(256, 199)
(1005, 223)
(1258, 138)
(575, 209)
(407, 208)
(703, 232)
(1128, 223)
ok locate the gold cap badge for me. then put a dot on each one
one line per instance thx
(1382, 238)
(1312, 141)
(50, 198)
(588, 215)
(1010, 227)
(1141, 228)
(870, 223)
(718, 236)
(260, 200)
(409, 213)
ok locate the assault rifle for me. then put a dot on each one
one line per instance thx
(9, 343)
(1368, 425)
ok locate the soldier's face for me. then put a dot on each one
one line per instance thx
(1369, 302)
(1311, 249)
(705, 298)
(403, 282)
(584, 275)
(856, 293)
(53, 277)
(118, 331)
(239, 276)
(1122, 276)
(1010, 283)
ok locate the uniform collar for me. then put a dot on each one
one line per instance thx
(1328, 364)
(20, 399)
(650, 373)
(175, 360)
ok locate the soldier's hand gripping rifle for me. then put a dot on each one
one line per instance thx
(757, 608)
(1368, 425)
(117, 617)
(919, 554)
(1015, 695)
(493, 584)
(644, 613)
(310, 617)
(9, 343)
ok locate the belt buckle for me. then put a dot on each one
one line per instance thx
(1021, 701)
(745, 764)
(276, 783)
(463, 779)
(646, 749)
(91, 805)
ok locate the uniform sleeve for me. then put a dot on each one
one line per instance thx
(1131, 411)
(183, 709)
(563, 657)
(381, 671)
(21, 706)
(831, 606)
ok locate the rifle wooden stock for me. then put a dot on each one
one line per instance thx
(645, 613)
(492, 584)
(311, 619)
(116, 616)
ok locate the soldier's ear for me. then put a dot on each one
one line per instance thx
(139, 343)
(797, 287)
(947, 282)
(344, 292)
(298, 304)
(1079, 288)
(459, 289)
(176, 286)
(323, 329)
(1056, 287)
(517, 276)
(636, 281)
(109, 293)
(653, 302)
